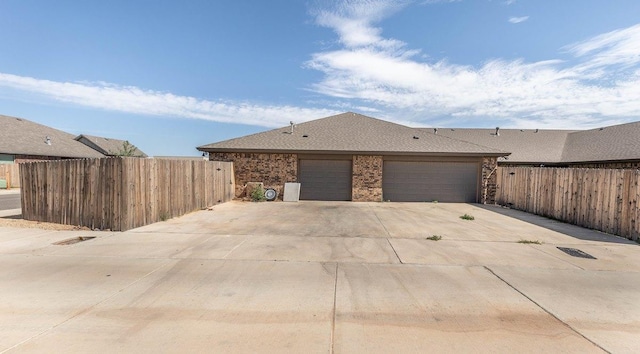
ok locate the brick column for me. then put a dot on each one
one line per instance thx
(489, 180)
(366, 184)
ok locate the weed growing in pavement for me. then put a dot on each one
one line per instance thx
(257, 195)
(536, 242)
(467, 217)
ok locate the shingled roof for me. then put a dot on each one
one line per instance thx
(106, 146)
(23, 137)
(349, 133)
(525, 145)
(612, 143)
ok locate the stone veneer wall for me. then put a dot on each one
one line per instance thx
(489, 180)
(274, 170)
(366, 179)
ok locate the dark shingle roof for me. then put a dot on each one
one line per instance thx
(351, 132)
(526, 145)
(106, 146)
(613, 143)
(23, 137)
(616, 142)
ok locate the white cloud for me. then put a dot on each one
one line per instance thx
(599, 85)
(430, 2)
(394, 79)
(620, 47)
(352, 19)
(132, 99)
(518, 19)
(509, 2)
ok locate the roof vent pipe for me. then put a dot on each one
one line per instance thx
(497, 131)
(47, 140)
(435, 130)
(537, 130)
(291, 123)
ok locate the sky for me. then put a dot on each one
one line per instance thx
(172, 75)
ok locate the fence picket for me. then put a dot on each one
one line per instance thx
(121, 193)
(601, 199)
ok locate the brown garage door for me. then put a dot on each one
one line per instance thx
(413, 181)
(325, 179)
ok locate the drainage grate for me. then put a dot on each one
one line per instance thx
(575, 252)
(71, 241)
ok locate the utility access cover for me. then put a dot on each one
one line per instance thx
(575, 252)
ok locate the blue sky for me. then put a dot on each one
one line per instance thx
(172, 75)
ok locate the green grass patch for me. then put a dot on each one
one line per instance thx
(527, 242)
(435, 238)
(467, 217)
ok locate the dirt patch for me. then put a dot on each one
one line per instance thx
(27, 224)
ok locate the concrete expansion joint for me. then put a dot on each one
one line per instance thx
(545, 310)
(394, 251)
(333, 312)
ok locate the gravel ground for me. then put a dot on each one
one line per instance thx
(10, 222)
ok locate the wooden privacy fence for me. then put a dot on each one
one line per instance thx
(10, 173)
(121, 193)
(601, 199)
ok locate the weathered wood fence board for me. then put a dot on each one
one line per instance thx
(601, 199)
(121, 193)
(10, 173)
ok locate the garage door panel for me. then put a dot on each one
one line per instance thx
(325, 179)
(420, 181)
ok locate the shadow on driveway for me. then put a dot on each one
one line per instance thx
(557, 226)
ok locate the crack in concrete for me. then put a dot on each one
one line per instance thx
(545, 310)
(234, 248)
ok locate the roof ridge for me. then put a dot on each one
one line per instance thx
(468, 142)
(350, 132)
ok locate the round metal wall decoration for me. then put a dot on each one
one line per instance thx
(270, 194)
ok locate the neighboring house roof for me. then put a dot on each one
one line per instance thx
(351, 132)
(612, 143)
(19, 136)
(106, 146)
(525, 145)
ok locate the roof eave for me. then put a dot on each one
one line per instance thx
(351, 152)
(603, 161)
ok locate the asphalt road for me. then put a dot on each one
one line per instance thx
(9, 201)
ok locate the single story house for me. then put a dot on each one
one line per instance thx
(22, 140)
(616, 146)
(109, 146)
(354, 157)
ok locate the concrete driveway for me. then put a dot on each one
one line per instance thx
(322, 277)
